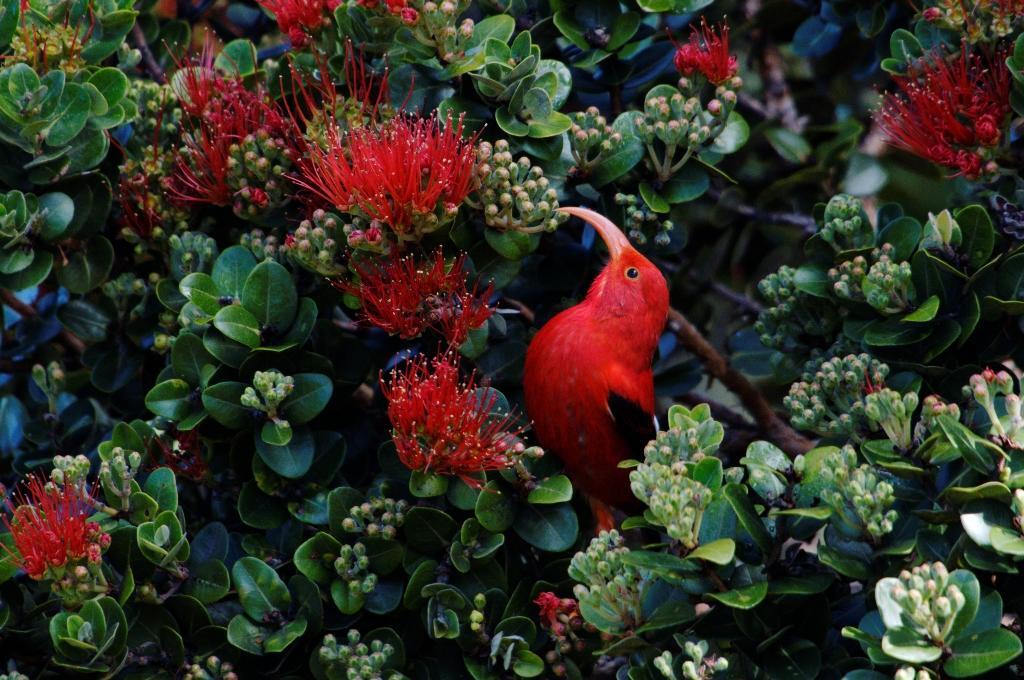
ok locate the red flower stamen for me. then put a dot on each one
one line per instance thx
(949, 110)
(298, 19)
(707, 52)
(404, 171)
(406, 298)
(556, 613)
(50, 527)
(444, 425)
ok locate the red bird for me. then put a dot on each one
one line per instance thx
(588, 383)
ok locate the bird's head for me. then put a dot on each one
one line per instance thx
(630, 287)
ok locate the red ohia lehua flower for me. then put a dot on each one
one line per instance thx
(949, 110)
(442, 424)
(228, 115)
(707, 52)
(411, 174)
(557, 614)
(406, 297)
(298, 19)
(50, 528)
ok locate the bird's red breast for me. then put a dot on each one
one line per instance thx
(588, 382)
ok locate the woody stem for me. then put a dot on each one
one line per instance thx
(775, 429)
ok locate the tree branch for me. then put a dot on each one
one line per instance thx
(775, 429)
(795, 219)
(148, 60)
(26, 311)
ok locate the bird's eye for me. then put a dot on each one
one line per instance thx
(632, 272)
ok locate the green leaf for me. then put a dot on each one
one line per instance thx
(687, 185)
(71, 115)
(231, 269)
(746, 597)
(982, 652)
(495, 509)
(791, 146)
(653, 199)
(906, 645)
(427, 485)
(557, 489)
(209, 581)
(238, 324)
(223, 402)
(112, 83)
(309, 396)
(428, 530)
(189, 357)
(291, 460)
(270, 296)
(87, 267)
(170, 399)
(59, 211)
(315, 558)
(718, 552)
(747, 516)
(246, 635)
(162, 487)
(553, 528)
(260, 590)
(237, 57)
(733, 136)
(926, 311)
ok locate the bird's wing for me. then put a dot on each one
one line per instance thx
(634, 423)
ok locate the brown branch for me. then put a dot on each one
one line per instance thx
(148, 60)
(774, 428)
(25, 311)
(795, 219)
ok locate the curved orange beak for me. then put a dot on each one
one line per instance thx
(611, 235)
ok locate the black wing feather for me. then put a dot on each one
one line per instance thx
(634, 423)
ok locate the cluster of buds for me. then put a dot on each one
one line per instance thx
(261, 244)
(356, 660)
(432, 23)
(893, 412)
(978, 20)
(357, 581)
(366, 235)
(256, 169)
(928, 602)
(885, 285)
(699, 665)
(676, 502)
(12, 672)
(861, 500)
(57, 46)
(53, 539)
(591, 138)
(561, 618)
(51, 381)
(932, 408)
(846, 225)
(314, 244)
(692, 434)
(211, 668)
(792, 317)
(683, 127)
(985, 388)
(118, 469)
(640, 220)
(148, 214)
(268, 391)
(70, 471)
(159, 112)
(608, 585)
(376, 517)
(477, 617)
(514, 195)
(191, 252)
(829, 400)
(128, 293)
(910, 673)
